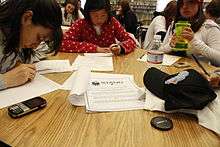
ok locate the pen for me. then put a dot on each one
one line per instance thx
(39, 70)
(142, 56)
(200, 65)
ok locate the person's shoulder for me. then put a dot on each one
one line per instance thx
(80, 22)
(210, 24)
(62, 9)
(113, 20)
(159, 18)
(130, 12)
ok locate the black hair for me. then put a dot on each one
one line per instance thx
(95, 5)
(197, 20)
(169, 12)
(213, 8)
(125, 6)
(46, 13)
(75, 11)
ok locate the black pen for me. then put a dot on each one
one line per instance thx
(200, 65)
(141, 56)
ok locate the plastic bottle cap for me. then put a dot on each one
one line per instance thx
(157, 37)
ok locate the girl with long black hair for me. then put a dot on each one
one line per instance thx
(24, 24)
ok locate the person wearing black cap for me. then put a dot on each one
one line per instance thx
(203, 35)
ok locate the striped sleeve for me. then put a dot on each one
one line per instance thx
(2, 84)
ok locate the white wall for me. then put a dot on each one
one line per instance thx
(161, 4)
(83, 3)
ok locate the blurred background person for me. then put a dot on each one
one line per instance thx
(160, 24)
(203, 36)
(213, 10)
(97, 32)
(80, 7)
(71, 12)
(127, 17)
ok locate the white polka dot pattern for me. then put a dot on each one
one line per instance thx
(82, 37)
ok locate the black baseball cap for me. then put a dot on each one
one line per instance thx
(185, 90)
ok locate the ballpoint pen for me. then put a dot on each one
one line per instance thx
(141, 56)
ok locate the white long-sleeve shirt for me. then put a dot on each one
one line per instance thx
(158, 24)
(206, 42)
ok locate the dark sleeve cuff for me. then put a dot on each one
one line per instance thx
(122, 52)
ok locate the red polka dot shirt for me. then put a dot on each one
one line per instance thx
(82, 37)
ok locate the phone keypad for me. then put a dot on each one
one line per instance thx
(23, 107)
(15, 109)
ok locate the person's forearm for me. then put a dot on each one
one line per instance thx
(2, 83)
(199, 47)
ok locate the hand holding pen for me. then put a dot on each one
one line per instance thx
(115, 48)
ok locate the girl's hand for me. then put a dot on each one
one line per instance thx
(115, 48)
(188, 34)
(19, 75)
(173, 41)
(103, 50)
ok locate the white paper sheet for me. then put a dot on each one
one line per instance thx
(67, 85)
(209, 117)
(39, 86)
(96, 63)
(51, 66)
(113, 94)
(168, 60)
(79, 85)
(98, 54)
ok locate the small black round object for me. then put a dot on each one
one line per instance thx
(161, 123)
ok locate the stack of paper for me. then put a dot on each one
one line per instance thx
(110, 92)
(97, 63)
(104, 92)
(51, 66)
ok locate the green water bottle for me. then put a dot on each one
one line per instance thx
(182, 43)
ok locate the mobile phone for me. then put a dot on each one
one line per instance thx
(25, 107)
